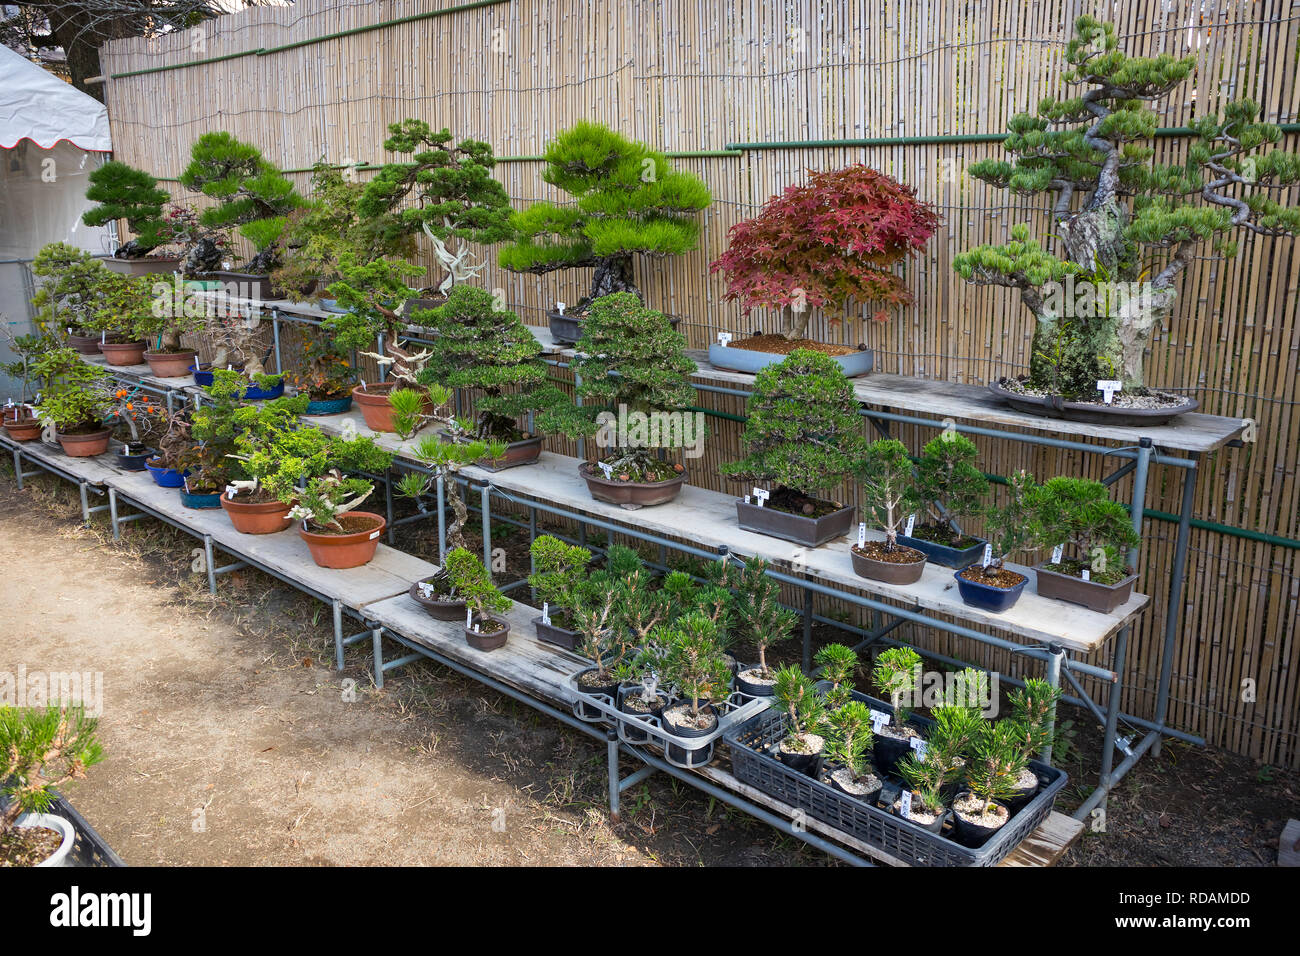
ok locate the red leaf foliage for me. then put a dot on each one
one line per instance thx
(839, 235)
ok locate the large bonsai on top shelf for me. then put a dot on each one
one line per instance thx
(629, 201)
(839, 235)
(1124, 226)
(124, 192)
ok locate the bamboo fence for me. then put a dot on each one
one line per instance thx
(698, 76)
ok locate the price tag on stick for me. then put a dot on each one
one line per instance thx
(918, 745)
(1058, 552)
(1086, 574)
(905, 804)
(911, 524)
(987, 558)
(879, 719)
(760, 497)
(724, 339)
(862, 533)
(1108, 387)
(546, 612)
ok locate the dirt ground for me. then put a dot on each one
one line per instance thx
(230, 740)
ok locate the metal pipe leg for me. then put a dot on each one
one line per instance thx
(1173, 610)
(388, 505)
(112, 513)
(485, 510)
(1053, 678)
(212, 564)
(442, 520)
(611, 748)
(377, 642)
(85, 505)
(1112, 716)
(338, 635)
(1144, 452)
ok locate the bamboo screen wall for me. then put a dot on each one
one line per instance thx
(699, 75)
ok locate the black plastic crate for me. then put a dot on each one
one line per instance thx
(751, 762)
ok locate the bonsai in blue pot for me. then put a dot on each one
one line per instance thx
(989, 584)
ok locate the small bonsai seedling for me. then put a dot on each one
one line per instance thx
(896, 675)
(124, 192)
(951, 487)
(1013, 526)
(559, 576)
(992, 774)
(630, 360)
(473, 585)
(888, 495)
(1033, 711)
(838, 236)
(759, 616)
(603, 643)
(803, 710)
(28, 351)
(804, 433)
(40, 749)
(71, 296)
(837, 664)
(848, 742)
(694, 661)
(1078, 513)
(629, 202)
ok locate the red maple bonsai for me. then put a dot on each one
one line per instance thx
(815, 245)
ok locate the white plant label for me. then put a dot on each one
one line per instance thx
(546, 612)
(911, 524)
(363, 384)
(103, 336)
(747, 501)
(724, 339)
(1087, 575)
(878, 719)
(469, 617)
(1058, 552)
(918, 745)
(559, 307)
(373, 535)
(1108, 387)
(987, 557)
(905, 804)
(607, 469)
(760, 497)
(231, 491)
(862, 533)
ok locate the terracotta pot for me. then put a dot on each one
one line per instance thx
(488, 642)
(373, 402)
(123, 353)
(251, 517)
(84, 446)
(630, 494)
(887, 572)
(439, 610)
(170, 364)
(23, 429)
(85, 344)
(346, 550)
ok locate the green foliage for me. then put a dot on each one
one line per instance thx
(849, 738)
(996, 759)
(1033, 708)
(408, 410)
(40, 749)
(325, 498)
(949, 481)
(895, 675)
(72, 293)
(27, 350)
(226, 426)
(1014, 525)
(124, 192)
(795, 694)
(838, 664)
(889, 491)
(804, 431)
(375, 291)
(73, 397)
(559, 572)
(1078, 512)
(444, 460)
(694, 660)
(278, 459)
(474, 585)
(759, 616)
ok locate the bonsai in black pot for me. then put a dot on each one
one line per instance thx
(896, 675)
(804, 712)
(804, 436)
(759, 619)
(950, 487)
(558, 577)
(604, 642)
(888, 494)
(695, 663)
(848, 742)
(1033, 712)
(837, 664)
(997, 758)
(485, 629)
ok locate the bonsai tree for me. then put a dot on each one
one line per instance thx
(888, 488)
(73, 399)
(484, 348)
(279, 461)
(72, 294)
(252, 196)
(837, 663)
(473, 585)
(628, 201)
(375, 293)
(1033, 711)
(840, 235)
(446, 192)
(629, 358)
(759, 615)
(559, 576)
(992, 773)
(445, 460)
(896, 675)
(27, 350)
(803, 710)
(124, 192)
(326, 371)
(695, 662)
(1078, 512)
(225, 427)
(950, 487)
(324, 499)
(150, 311)
(134, 413)
(804, 433)
(202, 246)
(40, 749)
(602, 643)
(1122, 220)
(1011, 527)
(848, 741)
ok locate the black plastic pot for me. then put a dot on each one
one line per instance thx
(870, 796)
(631, 732)
(972, 834)
(810, 764)
(1022, 797)
(133, 462)
(887, 751)
(586, 711)
(680, 755)
(935, 826)
(749, 687)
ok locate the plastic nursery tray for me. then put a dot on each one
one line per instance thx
(751, 761)
(639, 730)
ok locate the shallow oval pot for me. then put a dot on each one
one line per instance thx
(489, 642)
(23, 429)
(85, 344)
(143, 266)
(943, 555)
(887, 572)
(1055, 407)
(522, 452)
(630, 494)
(1091, 594)
(84, 446)
(329, 406)
(559, 636)
(748, 360)
(52, 822)
(256, 517)
(123, 353)
(801, 529)
(439, 610)
(345, 550)
(986, 597)
(170, 364)
(190, 499)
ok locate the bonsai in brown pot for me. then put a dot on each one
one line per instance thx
(337, 535)
(126, 193)
(1077, 513)
(485, 629)
(76, 402)
(19, 417)
(160, 316)
(888, 495)
(70, 295)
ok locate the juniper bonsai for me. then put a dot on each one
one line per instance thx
(474, 586)
(1118, 215)
(629, 201)
(124, 192)
(559, 575)
(950, 487)
(1078, 512)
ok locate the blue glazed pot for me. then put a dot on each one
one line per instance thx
(986, 597)
(165, 477)
(330, 406)
(255, 394)
(943, 555)
(200, 501)
(202, 376)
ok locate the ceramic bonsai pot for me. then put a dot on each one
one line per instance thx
(559, 636)
(986, 597)
(739, 359)
(801, 529)
(143, 266)
(255, 394)
(23, 429)
(256, 517)
(49, 821)
(421, 304)
(133, 462)
(191, 499)
(523, 452)
(1091, 594)
(490, 641)
(164, 477)
(85, 344)
(85, 445)
(887, 572)
(1053, 406)
(203, 374)
(244, 285)
(170, 364)
(350, 550)
(329, 406)
(567, 329)
(630, 494)
(438, 609)
(123, 353)
(943, 555)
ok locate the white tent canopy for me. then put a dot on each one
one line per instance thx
(37, 105)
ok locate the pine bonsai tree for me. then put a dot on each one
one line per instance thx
(1118, 215)
(803, 710)
(888, 487)
(804, 433)
(1012, 526)
(446, 459)
(837, 663)
(489, 349)
(950, 486)
(42, 748)
(992, 772)
(1033, 711)
(848, 742)
(446, 192)
(629, 201)
(1078, 512)
(839, 235)
(71, 294)
(124, 192)
(694, 661)
(896, 675)
(760, 618)
(629, 356)
(252, 196)
(559, 575)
